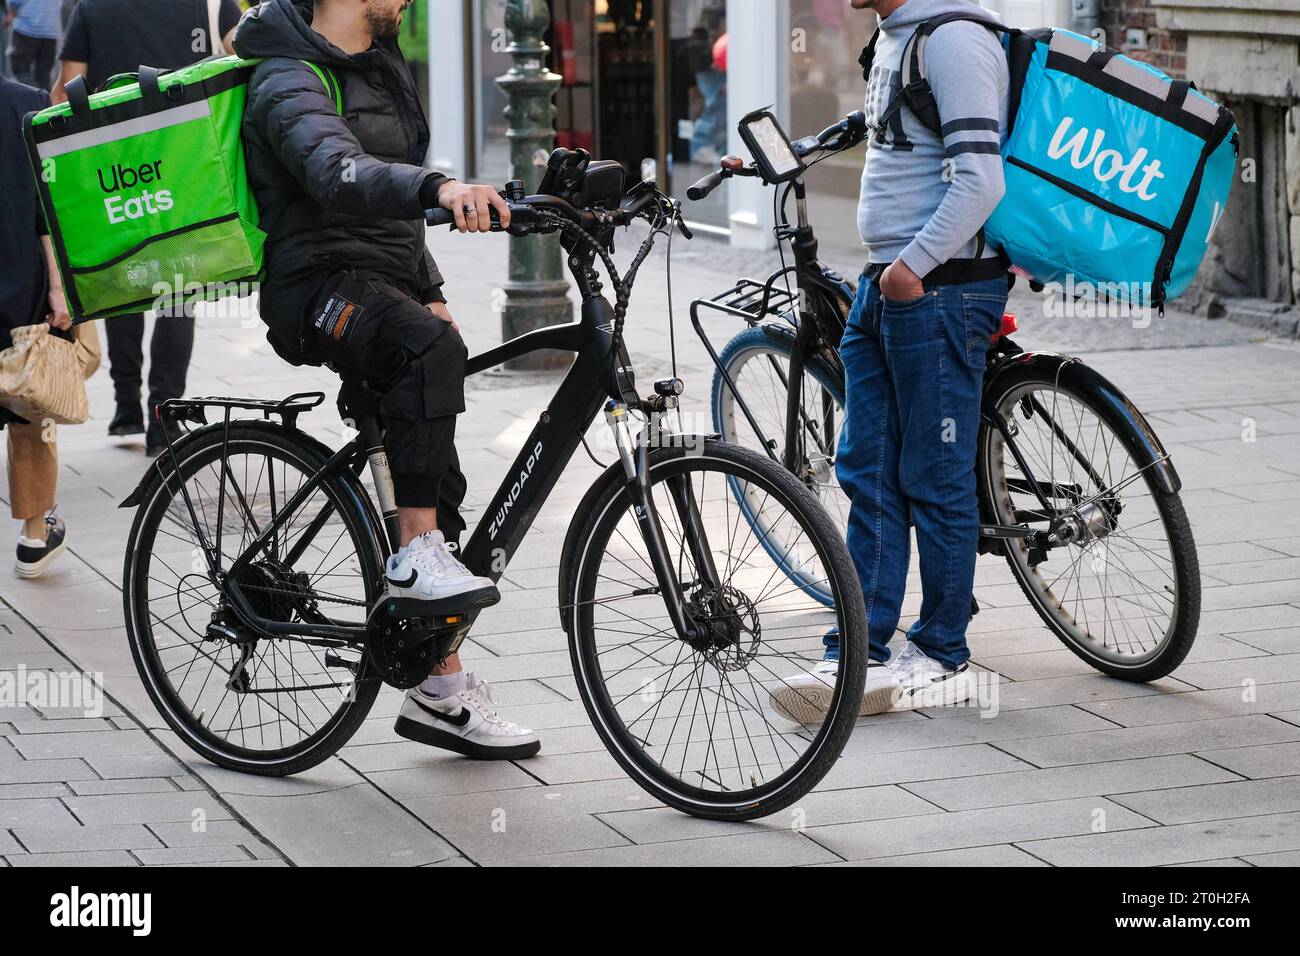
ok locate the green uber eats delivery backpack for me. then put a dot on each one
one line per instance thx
(145, 187)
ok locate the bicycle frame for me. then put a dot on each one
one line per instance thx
(600, 377)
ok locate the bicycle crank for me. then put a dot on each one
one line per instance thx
(405, 650)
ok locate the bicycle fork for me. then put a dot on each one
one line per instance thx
(634, 453)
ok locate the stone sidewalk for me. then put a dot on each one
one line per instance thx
(1200, 767)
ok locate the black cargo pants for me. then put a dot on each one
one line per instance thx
(398, 360)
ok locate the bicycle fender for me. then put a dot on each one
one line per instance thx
(1111, 404)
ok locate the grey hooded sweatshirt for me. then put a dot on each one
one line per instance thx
(924, 197)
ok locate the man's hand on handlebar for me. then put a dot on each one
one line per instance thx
(472, 205)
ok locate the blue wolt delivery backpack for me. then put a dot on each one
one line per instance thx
(1116, 174)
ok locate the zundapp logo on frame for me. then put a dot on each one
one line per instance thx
(115, 178)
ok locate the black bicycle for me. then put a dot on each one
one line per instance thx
(1075, 488)
(254, 592)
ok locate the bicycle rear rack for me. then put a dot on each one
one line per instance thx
(195, 409)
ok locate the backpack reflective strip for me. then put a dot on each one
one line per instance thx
(151, 123)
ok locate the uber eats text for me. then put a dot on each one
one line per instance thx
(117, 179)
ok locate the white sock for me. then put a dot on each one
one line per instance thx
(444, 685)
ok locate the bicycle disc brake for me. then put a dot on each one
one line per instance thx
(405, 650)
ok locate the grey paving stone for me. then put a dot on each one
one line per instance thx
(44, 771)
(1269, 669)
(771, 848)
(1060, 783)
(1277, 640)
(1023, 694)
(75, 858)
(968, 727)
(224, 832)
(1221, 801)
(171, 856)
(36, 812)
(1226, 862)
(1267, 760)
(128, 836)
(358, 826)
(102, 744)
(1129, 742)
(40, 725)
(817, 809)
(1185, 843)
(175, 806)
(971, 828)
(1285, 858)
(23, 791)
(126, 785)
(998, 855)
(157, 764)
(1198, 705)
(509, 824)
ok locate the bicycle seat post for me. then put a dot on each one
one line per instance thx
(371, 439)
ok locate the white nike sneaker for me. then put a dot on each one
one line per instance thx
(924, 682)
(806, 697)
(466, 723)
(425, 578)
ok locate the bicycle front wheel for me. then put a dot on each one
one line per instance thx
(699, 725)
(270, 706)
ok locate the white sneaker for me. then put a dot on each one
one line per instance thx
(805, 698)
(425, 578)
(924, 682)
(466, 723)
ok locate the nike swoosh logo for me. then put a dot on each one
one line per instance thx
(459, 719)
(404, 584)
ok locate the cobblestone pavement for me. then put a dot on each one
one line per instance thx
(1200, 767)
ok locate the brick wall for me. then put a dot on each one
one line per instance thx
(1166, 50)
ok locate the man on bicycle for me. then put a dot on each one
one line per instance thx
(334, 151)
(930, 298)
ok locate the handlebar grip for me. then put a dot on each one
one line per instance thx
(706, 185)
(439, 217)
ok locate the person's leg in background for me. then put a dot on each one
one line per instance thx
(43, 63)
(33, 466)
(866, 466)
(169, 361)
(22, 58)
(125, 335)
(936, 348)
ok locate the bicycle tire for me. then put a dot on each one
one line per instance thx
(349, 498)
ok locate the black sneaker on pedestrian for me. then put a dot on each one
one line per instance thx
(127, 420)
(34, 556)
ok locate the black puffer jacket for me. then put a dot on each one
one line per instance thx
(336, 192)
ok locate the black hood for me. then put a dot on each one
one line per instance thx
(283, 28)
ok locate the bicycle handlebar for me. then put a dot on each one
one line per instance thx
(706, 184)
(845, 134)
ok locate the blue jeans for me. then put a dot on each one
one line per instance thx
(913, 376)
(711, 125)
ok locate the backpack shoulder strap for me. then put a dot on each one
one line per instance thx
(914, 89)
(330, 82)
(868, 55)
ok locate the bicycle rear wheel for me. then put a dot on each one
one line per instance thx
(696, 724)
(1125, 593)
(269, 706)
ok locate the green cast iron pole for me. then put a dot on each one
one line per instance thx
(536, 292)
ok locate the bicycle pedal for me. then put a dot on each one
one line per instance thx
(459, 605)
